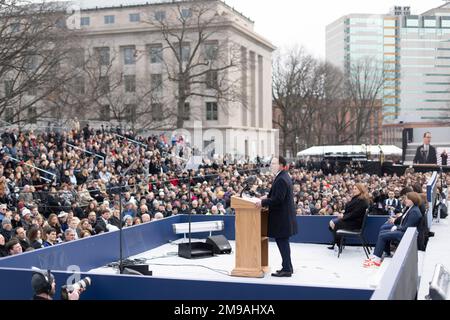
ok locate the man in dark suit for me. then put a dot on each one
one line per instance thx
(282, 222)
(102, 222)
(426, 153)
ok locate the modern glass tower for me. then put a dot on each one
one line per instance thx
(357, 37)
(414, 53)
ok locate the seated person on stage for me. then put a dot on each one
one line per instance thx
(411, 218)
(423, 197)
(353, 215)
(396, 219)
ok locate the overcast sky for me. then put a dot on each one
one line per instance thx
(299, 22)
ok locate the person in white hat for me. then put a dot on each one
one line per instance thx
(26, 218)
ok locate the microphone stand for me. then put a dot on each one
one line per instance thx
(244, 189)
(121, 266)
(440, 194)
(190, 213)
(201, 249)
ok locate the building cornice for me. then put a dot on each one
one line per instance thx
(146, 29)
(166, 3)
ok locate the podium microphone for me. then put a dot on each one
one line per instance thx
(250, 181)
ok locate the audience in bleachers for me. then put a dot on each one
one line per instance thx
(107, 181)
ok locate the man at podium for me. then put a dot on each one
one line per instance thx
(426, 153)
(282, 222)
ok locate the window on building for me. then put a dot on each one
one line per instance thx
(211, 50)
(9, 114)
(445, 23)
(130, 112)
(110, 19)
(15, 27)
(160, 16)
(85, 21)
(103, 85)
(186, 13)
(389, 40)
(429, 23)
(32, 114)
(9, 87)
(105, 112)
(157, 112)
(78, 58)
(78, 85)
(32, 90)
(130, 83)
(156, 82)
(390, 49)
(103, 55)
(31, 61)
(185, 51)
(187, 111)
(390, 23)
(156, 53)
(211, 111)
(129, 55)
(412, 22)
(135, 17)
(211, 79)
(61, 23)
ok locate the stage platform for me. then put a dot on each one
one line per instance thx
(314, 265)
(319, 273)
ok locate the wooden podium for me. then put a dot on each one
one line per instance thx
(252, 243)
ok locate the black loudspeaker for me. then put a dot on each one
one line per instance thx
(195, 250)
(137, 269)
(220, 244)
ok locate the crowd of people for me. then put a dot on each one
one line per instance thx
(58, 187)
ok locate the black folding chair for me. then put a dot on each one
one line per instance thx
(343, 233)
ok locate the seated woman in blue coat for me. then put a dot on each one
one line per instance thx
(411, 218)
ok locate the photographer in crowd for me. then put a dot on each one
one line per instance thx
(44, 286)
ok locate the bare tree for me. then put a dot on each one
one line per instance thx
(34, 49)
(289, 91)
(308, 121)
(196, 62)
(336, 108)
(363, 89)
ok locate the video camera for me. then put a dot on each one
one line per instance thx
(82, 284)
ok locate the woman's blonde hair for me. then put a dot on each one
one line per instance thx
(363, 194)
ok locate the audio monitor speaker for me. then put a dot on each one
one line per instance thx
(220, 244)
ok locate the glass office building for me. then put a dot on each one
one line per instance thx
(359, 37)
(425, 68)
(413, 52)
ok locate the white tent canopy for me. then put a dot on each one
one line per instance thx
(351, 150)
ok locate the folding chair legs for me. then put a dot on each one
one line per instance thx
(341, 243)
(365, 246)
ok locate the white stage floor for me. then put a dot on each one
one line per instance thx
(314, 265)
